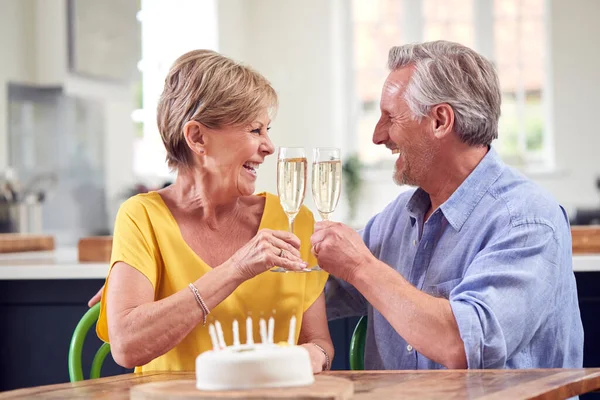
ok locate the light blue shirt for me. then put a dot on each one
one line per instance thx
(499, 249)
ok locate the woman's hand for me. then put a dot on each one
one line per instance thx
(266, 250)
(317, 358)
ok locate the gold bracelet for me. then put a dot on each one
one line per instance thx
(327, 360)
(200, 302)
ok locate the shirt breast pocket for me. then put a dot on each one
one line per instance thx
(442, 289)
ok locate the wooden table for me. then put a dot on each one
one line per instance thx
(474, 384)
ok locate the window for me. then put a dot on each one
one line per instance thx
(514, 40)
(449, 20)
(376, 29)
(169, 29)
(519, 56)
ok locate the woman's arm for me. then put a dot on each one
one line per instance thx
(315, 330)
(141, 329)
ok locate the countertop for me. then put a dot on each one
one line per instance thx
(63, 264)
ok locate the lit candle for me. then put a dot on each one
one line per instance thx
(263, 330)
(213, 337)
(249, 333)
(220, 335)
(271, 330)
(236, 333)
(292, 332)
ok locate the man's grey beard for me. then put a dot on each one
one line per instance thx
(403, 178)
(410, 176)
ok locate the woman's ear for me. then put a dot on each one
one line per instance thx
(195, 137)
(442, 120)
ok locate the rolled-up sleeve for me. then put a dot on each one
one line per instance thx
(506, 293)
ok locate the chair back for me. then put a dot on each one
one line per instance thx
(88, 320)
(357, 345)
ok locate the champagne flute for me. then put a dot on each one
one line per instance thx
(326, 181)
(291, 183)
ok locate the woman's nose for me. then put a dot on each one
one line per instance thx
(267, 146)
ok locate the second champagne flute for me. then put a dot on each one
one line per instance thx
(291, 183)
(326, 179)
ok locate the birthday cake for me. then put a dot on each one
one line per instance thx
(252, 365)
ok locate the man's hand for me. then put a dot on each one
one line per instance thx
(339, 249)
(96, 299)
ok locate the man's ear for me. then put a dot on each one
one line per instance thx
(442, 120)
(195, 137)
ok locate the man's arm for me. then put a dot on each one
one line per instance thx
(343, 300)
(96, 298)
(427, 323)
(424, 321)
(502, 300)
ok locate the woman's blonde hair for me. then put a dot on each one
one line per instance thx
(212, 89)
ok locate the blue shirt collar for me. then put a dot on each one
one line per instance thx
(461, 203)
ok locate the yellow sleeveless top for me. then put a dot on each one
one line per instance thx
(147, 237)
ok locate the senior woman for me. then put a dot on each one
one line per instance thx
(206, 243)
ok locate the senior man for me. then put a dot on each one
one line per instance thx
(472, 269)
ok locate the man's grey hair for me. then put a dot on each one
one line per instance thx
(447, 72)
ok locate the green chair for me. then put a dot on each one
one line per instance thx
(357, 345)
(87, 321)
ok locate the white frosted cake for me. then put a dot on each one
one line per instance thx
(252, 366)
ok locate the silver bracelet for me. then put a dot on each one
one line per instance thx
(200, 302)
(327, 360)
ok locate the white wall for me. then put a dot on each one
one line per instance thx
(574, 64)
(118, 102)
(299, 47)
(17, 56)
(278, 37)
(169, 29)
(33, 50)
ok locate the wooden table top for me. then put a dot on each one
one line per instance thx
(435, 384)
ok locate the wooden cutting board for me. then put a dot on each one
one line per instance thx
(325, 387)
(586, 239)
(17, 242)
(94, 249)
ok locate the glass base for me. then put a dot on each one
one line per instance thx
(313, 269)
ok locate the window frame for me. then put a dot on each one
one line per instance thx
(542, 160)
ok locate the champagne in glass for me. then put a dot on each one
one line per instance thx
(291, 186)
(291, 183)
(326, 180)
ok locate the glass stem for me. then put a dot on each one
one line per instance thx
(291, 224)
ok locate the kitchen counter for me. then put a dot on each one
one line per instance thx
(63, 264)
(586, 263)
(58, 264)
